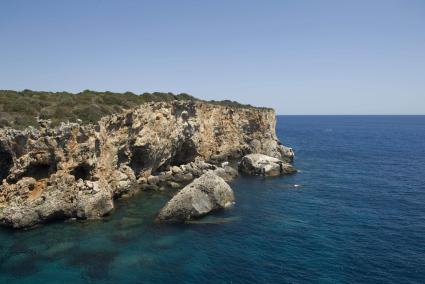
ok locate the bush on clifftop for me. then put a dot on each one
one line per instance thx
(20, 109)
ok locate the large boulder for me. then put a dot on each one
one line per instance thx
(259, 164)
(205, 194)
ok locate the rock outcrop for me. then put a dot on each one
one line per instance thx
(263, 165)
(76, 171)
(205, 194)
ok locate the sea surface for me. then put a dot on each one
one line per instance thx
(355, 213)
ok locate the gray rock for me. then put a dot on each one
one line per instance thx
(174, 185)
(287, 153)
(141, 180)
(164, 176)
(203, 195)
(183, 177)
(95, 206)
(153, 180)
(259, 164)
(227, 173)
(176, 170)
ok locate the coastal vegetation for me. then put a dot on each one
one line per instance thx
(19, 109)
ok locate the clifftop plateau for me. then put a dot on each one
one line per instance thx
(20, 109)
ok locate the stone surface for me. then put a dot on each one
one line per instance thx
(287, 154)
(259, 164)
(227, 173)
(203, 195)
(75, 171)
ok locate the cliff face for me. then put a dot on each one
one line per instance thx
(75, 171)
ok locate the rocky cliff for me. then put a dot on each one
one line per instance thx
(76, 171)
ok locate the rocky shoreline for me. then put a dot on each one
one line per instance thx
(76, 171)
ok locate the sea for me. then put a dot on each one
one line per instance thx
(354, 213)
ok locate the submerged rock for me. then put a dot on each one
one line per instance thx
(205, 194)
(213, 220)
(259, 164)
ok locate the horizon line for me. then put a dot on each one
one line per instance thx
(350, 114)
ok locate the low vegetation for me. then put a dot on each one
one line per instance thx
(21, 109)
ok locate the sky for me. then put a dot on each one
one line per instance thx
(299, 57)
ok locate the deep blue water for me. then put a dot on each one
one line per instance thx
(358, 216)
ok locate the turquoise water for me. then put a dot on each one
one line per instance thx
(357, 216)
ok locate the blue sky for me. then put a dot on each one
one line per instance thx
(299, 57)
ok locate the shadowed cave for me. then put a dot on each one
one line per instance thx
(6, 163)
(82, 171)
(39, 171)
(139, 158)
(185, 154)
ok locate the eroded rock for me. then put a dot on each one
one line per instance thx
(205, 194)
(76, 171)
(263, 165)
(227, 173)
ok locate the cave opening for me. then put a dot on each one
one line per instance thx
(139, 158)
(185, 154)
(82, 171)
(6, 163)
(39, 170)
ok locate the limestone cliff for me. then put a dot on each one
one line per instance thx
(75, 171)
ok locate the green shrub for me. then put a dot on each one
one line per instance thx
(22, 108)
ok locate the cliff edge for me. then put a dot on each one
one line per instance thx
(76, 171)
